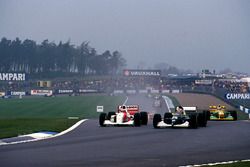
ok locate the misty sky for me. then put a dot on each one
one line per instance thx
(189, 34)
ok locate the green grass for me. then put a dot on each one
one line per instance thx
(28, 115)
(57, 107)
(15, 127)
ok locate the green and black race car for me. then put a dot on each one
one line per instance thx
(188, 118)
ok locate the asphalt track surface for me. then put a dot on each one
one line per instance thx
(92, 146)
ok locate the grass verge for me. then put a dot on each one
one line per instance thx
(16, 127)
(33, 114)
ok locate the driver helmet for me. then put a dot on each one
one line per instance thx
(123, 108)
(179, 109)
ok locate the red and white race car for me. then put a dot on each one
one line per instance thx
(125, 115)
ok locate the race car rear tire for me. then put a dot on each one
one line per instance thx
(137, 119)
(202, 119)
(207, 114)
(102, 118)
(156, 120)
(233, 114)
(193, 122)
(144, 118)
(110, 114)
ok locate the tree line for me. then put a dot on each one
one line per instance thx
(63, 59)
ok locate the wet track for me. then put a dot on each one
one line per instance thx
(91, 145)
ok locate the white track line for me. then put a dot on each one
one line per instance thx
(71, 128)
(167, 99)
(125, 101)
(217, 163)
(59, 134)
(167, 105)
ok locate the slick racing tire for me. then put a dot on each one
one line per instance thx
(193, 122)
(233, 114)
(207, 114)
(202, 119)
(137, 119)
(102, 118)
(168, 117)
(110, 114)
(144, 118)
(156, 120)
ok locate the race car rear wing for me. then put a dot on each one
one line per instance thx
(190, 108)
(216, 108)
(132, 109)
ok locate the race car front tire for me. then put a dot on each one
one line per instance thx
(137, 119)
(110, 114)
(102, 118)
(156, 120)
(144, 118)
(168, 117)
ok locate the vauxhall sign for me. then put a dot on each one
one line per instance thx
(154, 73)
(12, 76)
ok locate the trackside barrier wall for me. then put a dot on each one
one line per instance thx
(118, 91)
(88, 91)
(17, 93)
(131, 91)
(176, 91)
(64, 91)
(41, 92)
(246, 110)
(155, 91)
(143, 91)
(165, 91)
